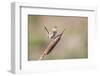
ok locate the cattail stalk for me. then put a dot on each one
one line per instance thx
(51, 45)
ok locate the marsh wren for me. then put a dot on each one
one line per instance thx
(52, 33)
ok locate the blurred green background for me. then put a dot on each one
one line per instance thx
(73, 44)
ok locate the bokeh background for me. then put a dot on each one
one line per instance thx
(73, 44)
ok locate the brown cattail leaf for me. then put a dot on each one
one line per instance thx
(51, 45)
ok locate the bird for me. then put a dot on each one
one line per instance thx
(52, 33)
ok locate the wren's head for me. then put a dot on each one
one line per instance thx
(53, 33)
(54, 29)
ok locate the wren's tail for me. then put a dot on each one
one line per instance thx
(46, 29)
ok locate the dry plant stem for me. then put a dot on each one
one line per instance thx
(42, 56)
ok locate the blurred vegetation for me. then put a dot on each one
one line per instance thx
(73, 44)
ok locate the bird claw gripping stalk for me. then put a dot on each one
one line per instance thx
(51, 45)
